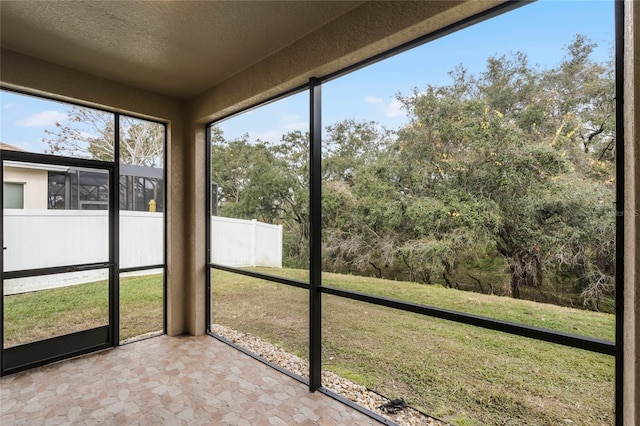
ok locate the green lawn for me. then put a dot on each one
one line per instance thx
(48, 313)
(462, 374)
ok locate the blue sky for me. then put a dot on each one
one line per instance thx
(541, 30)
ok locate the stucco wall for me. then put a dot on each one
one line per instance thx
(35, 185)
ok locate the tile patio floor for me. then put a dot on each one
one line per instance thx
(166, 381)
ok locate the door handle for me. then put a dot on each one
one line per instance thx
(92, 266)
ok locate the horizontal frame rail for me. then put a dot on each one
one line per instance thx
(267, 277)
(579, 342)
(42, 352)
(7, 275)
(141, 268)
(604, 347)
(31, 157)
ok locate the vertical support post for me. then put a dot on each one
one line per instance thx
(114, 237)
(315, 228)
(620, 212)
(165, 220)
(279, 248)
(67, 191)
(209, 213)
(254, 230)
(77, 204)
(2, 269)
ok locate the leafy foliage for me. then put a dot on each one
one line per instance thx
(515, 164)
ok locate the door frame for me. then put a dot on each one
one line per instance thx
(41, 352)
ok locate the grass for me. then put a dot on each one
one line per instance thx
(569, 320)
(141, 306)
(48, 313)
(463, 374)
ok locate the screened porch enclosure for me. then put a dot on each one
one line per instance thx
(78, 189)
(384, 201)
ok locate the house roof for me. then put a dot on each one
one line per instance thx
(8, 147)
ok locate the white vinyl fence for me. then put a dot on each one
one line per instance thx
(237, 242)
(48, 238)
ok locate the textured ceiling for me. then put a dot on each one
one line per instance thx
(177, 48)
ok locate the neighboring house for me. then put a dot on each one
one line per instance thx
(25, 184)
(39, 186)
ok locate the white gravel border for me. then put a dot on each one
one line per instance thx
(330, 381)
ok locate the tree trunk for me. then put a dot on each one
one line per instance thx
(446, 273)
(525, 274)
(378, 270)
(516, 280)
(515, 286)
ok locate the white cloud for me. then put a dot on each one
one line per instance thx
(297, 125)
(271, 136)
(372, 100)
(290, 122)
(289, 117)
(12, 106)
(394, 109)
(390, 110)
(44, 118)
